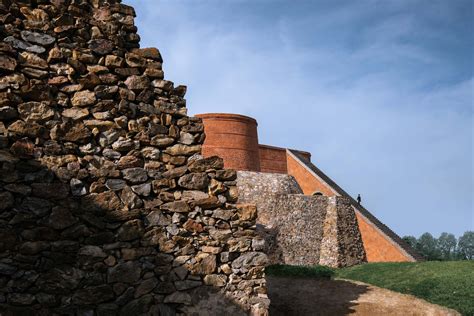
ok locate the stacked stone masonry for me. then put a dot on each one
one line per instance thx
(106, 206)
(301, 229)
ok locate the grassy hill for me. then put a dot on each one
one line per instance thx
(450, 284)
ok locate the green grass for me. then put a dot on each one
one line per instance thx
(300, 271)
(449, 283)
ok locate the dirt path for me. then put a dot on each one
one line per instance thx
(301, 297)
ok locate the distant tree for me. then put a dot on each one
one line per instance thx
(447, 246)
(466, 245)
(427, 246)
(410, 240)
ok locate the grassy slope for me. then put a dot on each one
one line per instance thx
(450, 284)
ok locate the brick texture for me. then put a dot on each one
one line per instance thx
(308, 182)
(232, 137)
(273, 159)
(377, 247)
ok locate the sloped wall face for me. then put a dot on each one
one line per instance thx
(351, 247)
(377, 247)
(300, 229)
(105, 206)
(308, 182)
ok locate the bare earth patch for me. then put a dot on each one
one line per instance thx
(300, 296)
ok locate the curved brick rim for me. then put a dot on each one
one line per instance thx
(227, 116)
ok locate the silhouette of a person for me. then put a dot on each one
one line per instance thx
(359, 199)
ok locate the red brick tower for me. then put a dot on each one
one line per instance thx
(232, 137)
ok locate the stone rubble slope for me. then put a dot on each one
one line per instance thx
(106, 206)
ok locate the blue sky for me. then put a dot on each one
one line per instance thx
(380, 92)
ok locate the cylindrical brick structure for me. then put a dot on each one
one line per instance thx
(233, 137)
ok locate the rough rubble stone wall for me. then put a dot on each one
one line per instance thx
(342, 244)
(106, 207)
(351, 247)
(297, 221)
(301, 229)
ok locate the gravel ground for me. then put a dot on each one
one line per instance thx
(301, 297)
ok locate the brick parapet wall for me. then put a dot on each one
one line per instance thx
(308, 182)
(272, 159)
(106, 206)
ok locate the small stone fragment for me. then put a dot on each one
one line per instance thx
(61, 218)
(37, 38)
(202, 165)
(31, 60)
(177, 206)
(77, 187)
(24, 45)
(130, 199)
(115, 184)
(205, 266)
(35, 111)
(215, 280)
(137, 83)
(7, 63)
(123, 144)
(23, 148)
(7, 200)
(83, 98)
(135, 175)
(7, 113)
(194, 181)
(179, 149)
(101, 46)
(142, 189)
(113, 61)
(151, 53)
(127, 272)
(130, 230)
(250, 259)
(193, 226)
(75, 113)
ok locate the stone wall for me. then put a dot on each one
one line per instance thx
(342, 244)
(301, 229)
(105, 205)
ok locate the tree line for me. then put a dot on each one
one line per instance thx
(445, 247)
